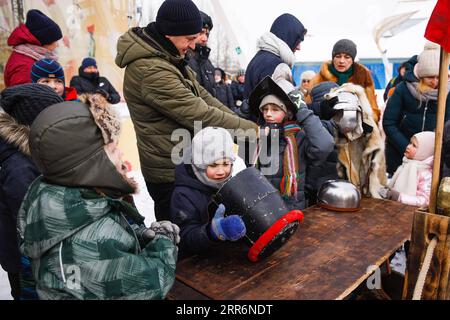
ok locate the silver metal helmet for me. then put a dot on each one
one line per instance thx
(348, 107)
(339, 195)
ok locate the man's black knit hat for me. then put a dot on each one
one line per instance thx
(25, 102)
(178, 18)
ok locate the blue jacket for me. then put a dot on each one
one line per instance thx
(189, 210)
(405, 116)
(17, 171)
(289, 29)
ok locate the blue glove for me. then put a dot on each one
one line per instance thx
(230, 228)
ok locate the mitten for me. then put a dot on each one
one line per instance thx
(166, 228)
(230, 228)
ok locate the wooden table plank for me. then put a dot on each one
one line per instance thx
(327, 258)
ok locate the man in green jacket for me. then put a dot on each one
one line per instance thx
(163, 94)
(83, 239)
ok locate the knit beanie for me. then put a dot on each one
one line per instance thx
(25, 102)
(272, 99)
(241, 72)
(207, 21)
(88, 62)
(345, 46)
(428, 61)
(178, 17)
(319, 91)
(208, 146)
(307, 75)
(425, 149)
(46, 68)
(42, 27)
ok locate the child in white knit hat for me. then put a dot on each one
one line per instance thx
(211, 166)
(411, 183)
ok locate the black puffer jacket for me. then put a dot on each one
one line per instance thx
(92, 83)
(200, 63)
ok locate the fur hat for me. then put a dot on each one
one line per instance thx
(42, 27)
(428, 61)
(67, 143)
(25, 102)
(178, 17)
(345, 46)
(47, 68)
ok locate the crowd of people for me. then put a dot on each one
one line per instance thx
(69, 228)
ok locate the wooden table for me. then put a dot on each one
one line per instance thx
(327, 258)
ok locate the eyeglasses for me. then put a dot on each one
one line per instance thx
(305, 81)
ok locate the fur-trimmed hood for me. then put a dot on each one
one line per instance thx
(14, 134)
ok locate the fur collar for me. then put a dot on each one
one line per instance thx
(360, 73)
(14, 133)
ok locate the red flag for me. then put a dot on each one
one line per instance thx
(438, 28)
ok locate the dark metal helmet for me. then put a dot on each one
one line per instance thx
(339, 195)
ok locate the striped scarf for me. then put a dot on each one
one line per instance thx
(35, 52)
(291, 174)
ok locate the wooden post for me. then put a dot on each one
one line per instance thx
(440, 118)
(437, 284)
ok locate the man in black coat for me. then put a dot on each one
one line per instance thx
(199, 58)
(89, 81)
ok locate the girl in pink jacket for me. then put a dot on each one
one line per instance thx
(411, 183)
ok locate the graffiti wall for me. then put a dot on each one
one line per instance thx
(90, 28)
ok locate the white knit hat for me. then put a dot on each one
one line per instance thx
(211, 144)
(428, 61)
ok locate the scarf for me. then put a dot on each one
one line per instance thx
(342, 77)
(271, 43)
(291, 173)
(35, 52)
(413, 88)
(405, 178)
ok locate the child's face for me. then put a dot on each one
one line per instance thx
(219, 170)
(273, 113)
(55, 84)
(411, 149)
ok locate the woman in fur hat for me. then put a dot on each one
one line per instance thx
(21, 105)
(84, 240)
(413, 107)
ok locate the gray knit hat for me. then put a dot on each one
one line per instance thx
(345, 46)
(208, 146)
(428, 61)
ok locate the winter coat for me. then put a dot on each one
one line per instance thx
(422, 196)
(237, 89)
(83, 84)
(224, 95)
(405, 116)
(18, 67)
(17, 172)
(189, 210)
(163, 95)
(361, 76)
(204, 69)
(314, 143)
(273, 51)
(70, 94)
(362, 160)
(445, 162)
(86, 248)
